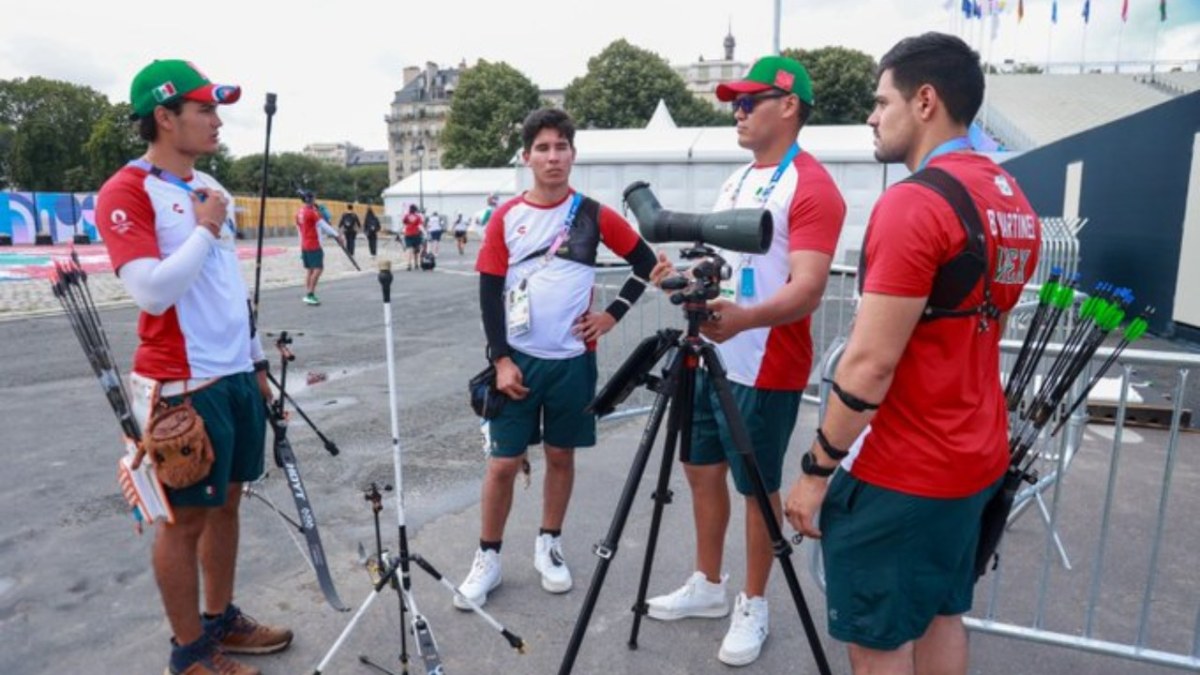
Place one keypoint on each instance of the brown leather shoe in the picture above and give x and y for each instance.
(216, 663)
(241, 634)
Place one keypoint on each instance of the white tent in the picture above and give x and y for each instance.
(686, 167)
(448, 192)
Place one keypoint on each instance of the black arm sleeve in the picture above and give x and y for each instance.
(491, 303)
(642, 259)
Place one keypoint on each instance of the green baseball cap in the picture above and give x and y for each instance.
(770, 72)
(167, 80)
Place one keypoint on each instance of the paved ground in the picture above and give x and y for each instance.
(76, 593)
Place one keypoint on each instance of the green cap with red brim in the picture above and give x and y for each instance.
(770, 72)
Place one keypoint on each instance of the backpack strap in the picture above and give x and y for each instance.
(956, 278)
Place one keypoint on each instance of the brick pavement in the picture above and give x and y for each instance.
(281, 268)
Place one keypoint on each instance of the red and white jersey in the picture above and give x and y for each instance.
(560, 290)
(807, 211)
(206, 333)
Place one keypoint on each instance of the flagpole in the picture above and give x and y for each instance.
(1154, 54)
(1049, 46)
(1120, 34)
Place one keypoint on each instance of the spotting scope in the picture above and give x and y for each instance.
(741, 230)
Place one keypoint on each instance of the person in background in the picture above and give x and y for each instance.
(371, 229)
(460, 233)
(311, 225)
(349, 225)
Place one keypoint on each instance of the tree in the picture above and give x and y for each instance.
(6, 140)
(112, 142)
(53, 121)
(484, 125)
(369, 182)
(623, 85)
(843, 83)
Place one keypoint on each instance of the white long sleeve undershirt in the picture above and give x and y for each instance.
(156, 285)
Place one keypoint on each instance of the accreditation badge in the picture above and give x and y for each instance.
(517, 304)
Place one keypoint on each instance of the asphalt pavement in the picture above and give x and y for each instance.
(77, 594)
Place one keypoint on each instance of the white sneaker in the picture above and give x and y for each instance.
(484, 577)
(698, 597)
(747, 632)
(548, 559)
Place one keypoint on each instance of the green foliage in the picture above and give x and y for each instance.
(623, 85)
(290, 171)
(112, 143)
(53, 121)
(368, 183)
(484, 125)
(7, 135)
(843, 83)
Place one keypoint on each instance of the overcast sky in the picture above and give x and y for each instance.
(336, 65)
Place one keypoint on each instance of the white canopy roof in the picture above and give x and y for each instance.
(456, 182)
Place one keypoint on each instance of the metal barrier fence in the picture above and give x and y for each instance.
(1069, 599)
(830, 324)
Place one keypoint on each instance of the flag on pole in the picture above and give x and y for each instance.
(1125, 10)
(976, 9)
(1020, 10)
(1054, 12)
(1162, 10)
(1087, 10)
(966, 8)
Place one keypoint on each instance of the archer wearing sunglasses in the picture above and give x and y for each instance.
(762, 335)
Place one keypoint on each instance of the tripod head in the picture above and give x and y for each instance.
(281, 343)
(705, 284)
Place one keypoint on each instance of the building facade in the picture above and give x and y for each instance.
(418, 115)
(337, 154)
(703, 76)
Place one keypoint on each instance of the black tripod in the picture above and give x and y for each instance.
(677, 387)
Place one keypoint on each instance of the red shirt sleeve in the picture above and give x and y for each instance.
(909, 236)
(817, 212)
(125, 219)
(616, 232)
(493, 254)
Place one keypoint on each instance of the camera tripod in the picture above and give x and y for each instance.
(676, 388)
(395, 570)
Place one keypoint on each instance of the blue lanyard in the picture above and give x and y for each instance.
(164, 175)
(576, 199)
(952, 145)
(783, 165)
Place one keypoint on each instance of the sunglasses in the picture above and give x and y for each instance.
(747, 104)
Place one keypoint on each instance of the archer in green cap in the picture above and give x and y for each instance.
(761, 329)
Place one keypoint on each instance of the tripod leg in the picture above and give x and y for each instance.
(607, 548)
(379, 585)
(678, 422)
(745, 450)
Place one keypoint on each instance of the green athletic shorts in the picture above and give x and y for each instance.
(559, 390)
(235, 418)
(313, 260)
(770, 417)
(895, 561)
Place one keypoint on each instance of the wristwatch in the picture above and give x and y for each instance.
(810, 467)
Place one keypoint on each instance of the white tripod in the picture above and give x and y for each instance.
(426, 645)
